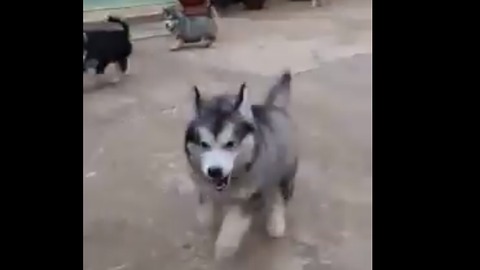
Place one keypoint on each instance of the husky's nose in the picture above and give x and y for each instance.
(215, 172)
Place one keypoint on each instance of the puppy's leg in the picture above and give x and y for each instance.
(121, 69)
(178, 44)
(123, 65)
(90, 73)
(206, 211)
(206, 41)
(100, 68)
(276, 214)
(235, 224)
(100, 71)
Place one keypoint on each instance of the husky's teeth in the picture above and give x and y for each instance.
(223, 183)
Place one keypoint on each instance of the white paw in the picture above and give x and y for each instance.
(205, 216)
(224, 250)
(276, 225)
(234, 226)
(116, 79)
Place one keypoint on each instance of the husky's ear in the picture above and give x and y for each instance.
(242, 104)
(197, 100)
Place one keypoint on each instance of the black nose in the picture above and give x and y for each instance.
(215, 172)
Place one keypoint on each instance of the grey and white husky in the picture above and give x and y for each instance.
(243, 158)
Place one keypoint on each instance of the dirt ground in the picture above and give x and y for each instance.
(138, 201)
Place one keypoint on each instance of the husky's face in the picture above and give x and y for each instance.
(171, 18)
(219, 141)
(170, 25)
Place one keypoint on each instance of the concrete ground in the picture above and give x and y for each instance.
(138, 201)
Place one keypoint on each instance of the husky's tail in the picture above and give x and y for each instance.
(279, 95)
(124, 25)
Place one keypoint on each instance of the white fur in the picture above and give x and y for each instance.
(234, 227)
(226, 135)
(246, 150)
(206, 214)
(276, 218)
(217, 156)
(206, 135)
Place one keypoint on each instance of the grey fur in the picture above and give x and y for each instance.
(265, 160)
(190, 29)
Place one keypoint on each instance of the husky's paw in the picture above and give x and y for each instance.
(205, 216)
(234, 226)
(206, 42)
(276, 224)
(224, 250)
(177, 45)
(116, 79)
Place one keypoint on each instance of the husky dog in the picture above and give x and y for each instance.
(242, 157)
(200, 27)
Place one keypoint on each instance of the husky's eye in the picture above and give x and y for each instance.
(204, 145)
(229, 145)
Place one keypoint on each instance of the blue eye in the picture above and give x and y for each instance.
(229, 145)
(204, 145)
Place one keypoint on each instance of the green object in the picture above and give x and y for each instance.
(108, 4)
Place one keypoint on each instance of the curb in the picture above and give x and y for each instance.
(131, 15)
(134, 17)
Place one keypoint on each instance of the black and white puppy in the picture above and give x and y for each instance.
(106, 43)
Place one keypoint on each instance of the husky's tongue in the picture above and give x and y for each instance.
(222, 183)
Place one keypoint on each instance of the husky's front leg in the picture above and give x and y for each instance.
(235, 224)
(276, 215)
(206, 211)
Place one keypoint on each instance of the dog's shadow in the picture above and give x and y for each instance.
(93, 83)
(192, 46)
(95, 87)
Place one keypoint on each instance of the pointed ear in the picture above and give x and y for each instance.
(242, 104)
(197, 100)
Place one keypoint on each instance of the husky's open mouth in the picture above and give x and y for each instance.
(222, 183)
